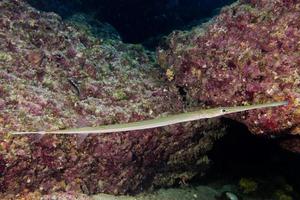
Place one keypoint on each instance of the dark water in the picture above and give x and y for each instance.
(138, 21)
(241, 154)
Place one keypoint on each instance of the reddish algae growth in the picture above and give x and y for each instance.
(54, 75)
(249, 53)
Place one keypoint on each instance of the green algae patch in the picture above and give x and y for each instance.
(281, 195)
(5, 57)
(120, 95)
(247, 185)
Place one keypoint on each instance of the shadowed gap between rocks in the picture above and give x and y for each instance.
(139, 21)
(239, 154)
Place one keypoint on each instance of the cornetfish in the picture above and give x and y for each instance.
(159, 122)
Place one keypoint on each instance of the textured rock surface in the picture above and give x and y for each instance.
(55, 76)
(53, 196)
(250, 53)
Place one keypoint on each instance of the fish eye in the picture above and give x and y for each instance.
(223, 110)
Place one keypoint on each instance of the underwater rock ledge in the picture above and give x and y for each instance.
(53, 76)
(247, 54)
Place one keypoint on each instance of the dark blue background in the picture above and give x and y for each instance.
(139, 21)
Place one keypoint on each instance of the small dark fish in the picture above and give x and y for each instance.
(75, 85)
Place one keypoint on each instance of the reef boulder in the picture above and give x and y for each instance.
(54, 75)
(247, 54)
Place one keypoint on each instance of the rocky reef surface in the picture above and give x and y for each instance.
(250, 53)
(56, 75)
(246, 189)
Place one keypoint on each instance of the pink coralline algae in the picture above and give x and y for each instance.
(250, 53)
(39, 196)
(54, 75)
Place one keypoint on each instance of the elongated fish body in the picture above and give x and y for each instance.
(159, 122)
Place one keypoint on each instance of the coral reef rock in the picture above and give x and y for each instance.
(53, 76)
(247, 54)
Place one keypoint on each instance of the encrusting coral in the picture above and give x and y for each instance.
(248, 53)
(54, 76)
